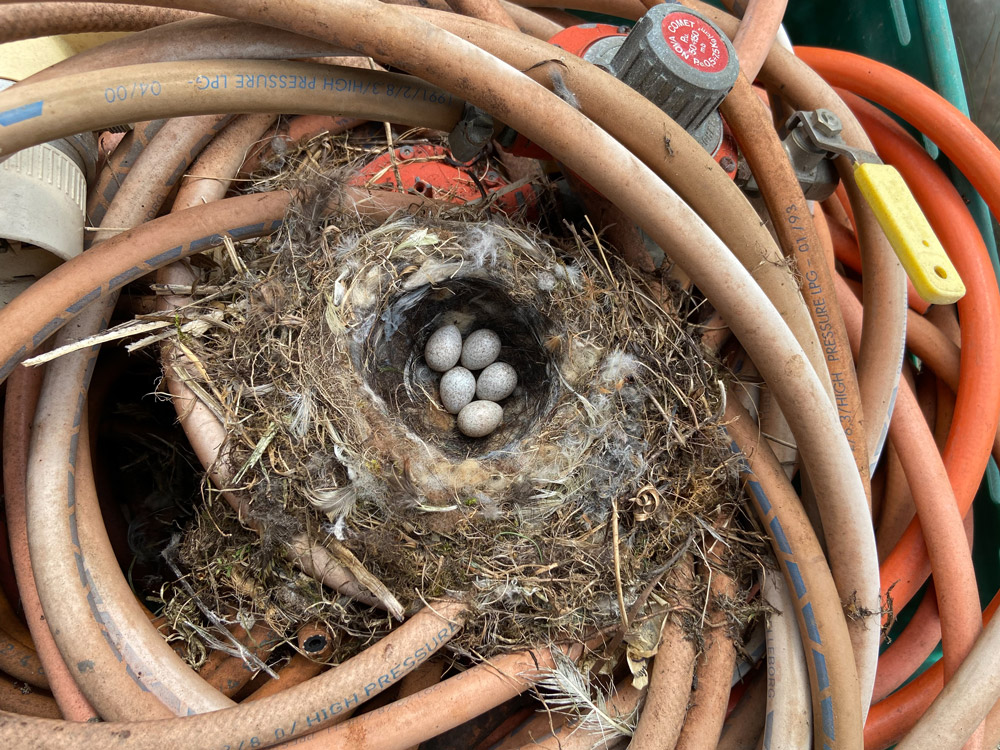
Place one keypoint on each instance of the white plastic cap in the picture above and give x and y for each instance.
(44, 200)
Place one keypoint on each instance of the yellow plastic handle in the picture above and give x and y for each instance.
(917, 247)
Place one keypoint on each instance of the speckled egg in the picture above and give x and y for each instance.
(496, 382)
(443, 348)
(481, 348)
(457, 389)
(480, 418)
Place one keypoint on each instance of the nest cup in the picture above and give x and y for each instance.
(394, 366)
(336, 426)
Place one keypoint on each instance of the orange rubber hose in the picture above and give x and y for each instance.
(954, 133)
(977, 405)
(298, 669)
(947, 546)
(923, 475)
(905, 655)
(229, 674)
(915, 644)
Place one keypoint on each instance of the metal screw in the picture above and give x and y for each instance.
(827, 123)
(727, 163)
(406, 152)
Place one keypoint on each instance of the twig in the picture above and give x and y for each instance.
(618, 563)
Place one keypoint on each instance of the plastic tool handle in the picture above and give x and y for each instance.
(917, 247)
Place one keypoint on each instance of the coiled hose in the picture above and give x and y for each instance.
(726, 253)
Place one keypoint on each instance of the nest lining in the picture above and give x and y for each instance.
(334, 423)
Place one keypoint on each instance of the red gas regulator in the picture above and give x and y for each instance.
(674, 57)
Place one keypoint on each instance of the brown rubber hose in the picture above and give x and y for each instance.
(897, 506)
(618, 8)
(14, 699)
(437, 709)
(670, 680)
(758, 28)
(290, 714)
(18, 655)
(485, 10)
(714, 670)
(29, 20)
(745, 725)
(534, 22)
(80, 101)
(426, 675)
(212, 174)
(558, 17)
(799, 239)
(10, 623)
(21, 662)
(74, 618)
(778, 507)
(186, 40)
(603, 98)
(132, 663)
(116, 169)
(19, 409)
(622, 704)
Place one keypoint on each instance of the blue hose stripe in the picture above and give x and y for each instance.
(822, 675)
(810, 618)
(117, 282)
(779, 536)
(20, 114)
(760, 496)
(826, 706)
(84, 301)
(167, 255)
(819, 666)
(797, 582)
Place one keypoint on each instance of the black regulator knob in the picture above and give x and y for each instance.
(683, 63)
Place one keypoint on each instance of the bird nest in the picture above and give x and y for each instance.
(609, 466)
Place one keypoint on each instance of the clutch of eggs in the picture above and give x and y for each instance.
(459, 386)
